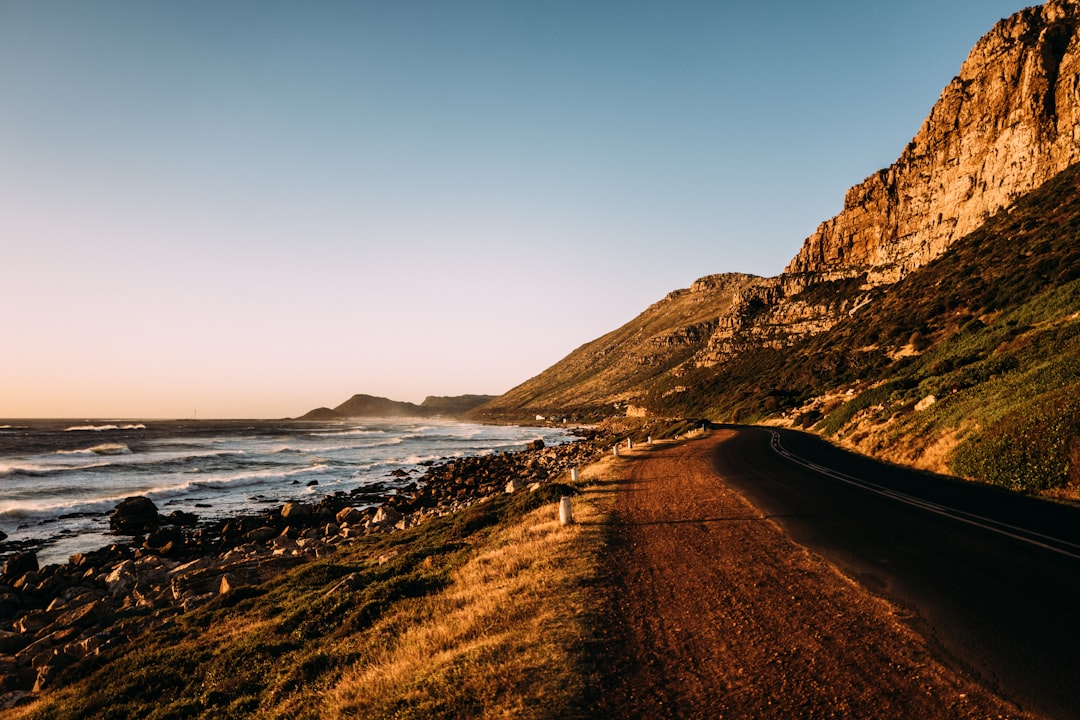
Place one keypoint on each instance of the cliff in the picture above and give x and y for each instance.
(1007, 123)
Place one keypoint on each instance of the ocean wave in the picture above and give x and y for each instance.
(354, 432)
(103, 449)
(102, 428)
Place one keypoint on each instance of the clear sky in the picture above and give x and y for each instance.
(250, 209)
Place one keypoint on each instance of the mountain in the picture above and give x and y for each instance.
(372, 406)
(930, 322)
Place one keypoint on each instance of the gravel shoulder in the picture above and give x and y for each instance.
(714, 612)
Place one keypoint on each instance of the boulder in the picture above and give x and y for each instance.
(261, 534)
(134, 516)
(295, 513)
(386, 515)
(515, 484)
(18, 565)
(183, 519)
(349, 515)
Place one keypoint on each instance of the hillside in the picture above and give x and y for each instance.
(371, 406)
(931, 322)
(614, 370)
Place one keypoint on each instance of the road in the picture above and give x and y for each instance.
(992, 579)
(708, 609)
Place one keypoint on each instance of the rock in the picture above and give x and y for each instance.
(31, 623)
(3, 536)
(349, 515)
(295, 513)
(183, 519)
(228, 582)
(11, 642)
(18, 565)
(121, 579)
(515, 484)
(14, 699)
(537, 444)
(386, 515)
(925, 403)
(261, 534)
(134, 516)
(88, 615)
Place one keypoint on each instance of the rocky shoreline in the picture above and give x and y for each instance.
(56, 616)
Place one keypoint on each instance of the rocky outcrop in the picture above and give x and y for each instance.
(1006, 124)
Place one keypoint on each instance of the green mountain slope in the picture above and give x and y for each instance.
(970, 364)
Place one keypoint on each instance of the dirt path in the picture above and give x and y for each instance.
(721, 616)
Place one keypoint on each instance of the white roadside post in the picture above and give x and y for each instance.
(566, 515)
(615, 450)
(629, 443)
(573, 475)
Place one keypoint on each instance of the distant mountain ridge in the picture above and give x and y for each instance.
(946, 277)
(372, 406)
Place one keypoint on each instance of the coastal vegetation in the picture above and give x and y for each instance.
(968, 365)
(483, 613)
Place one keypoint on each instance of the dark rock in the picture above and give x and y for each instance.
(158, 539)
(535, 445)
(19, 564)
(350, 515)
(261, 534)
(135, 515)
(295, 513)
(183, 519)
(386, 515)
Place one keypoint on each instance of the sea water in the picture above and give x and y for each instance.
(60, 480)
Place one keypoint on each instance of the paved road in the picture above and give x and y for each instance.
(990, 577)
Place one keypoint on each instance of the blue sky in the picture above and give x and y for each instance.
(248, 209)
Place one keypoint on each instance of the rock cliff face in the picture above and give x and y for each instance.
(1007, 123)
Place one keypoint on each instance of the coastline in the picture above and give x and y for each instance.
(53, 618)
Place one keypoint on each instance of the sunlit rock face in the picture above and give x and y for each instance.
(1006, 124)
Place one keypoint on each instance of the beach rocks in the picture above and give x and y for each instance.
(134, 516)
(295, 513)
(18, 565)
(386, 515)
(55, 616)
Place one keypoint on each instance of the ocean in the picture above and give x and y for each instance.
(60, 480)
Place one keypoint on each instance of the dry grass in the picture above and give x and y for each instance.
(502, 640)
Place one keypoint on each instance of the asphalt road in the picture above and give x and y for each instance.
(990, 577)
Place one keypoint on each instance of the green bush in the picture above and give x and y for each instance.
(1028, 450)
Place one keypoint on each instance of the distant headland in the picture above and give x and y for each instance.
(372, 406)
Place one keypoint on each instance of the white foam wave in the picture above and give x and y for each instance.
(103, 449)
(101, 428)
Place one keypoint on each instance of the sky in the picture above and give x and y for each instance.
(251, 209)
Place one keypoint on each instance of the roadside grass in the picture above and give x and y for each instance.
(487, 613)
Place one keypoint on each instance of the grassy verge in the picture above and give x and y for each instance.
(488, 613)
